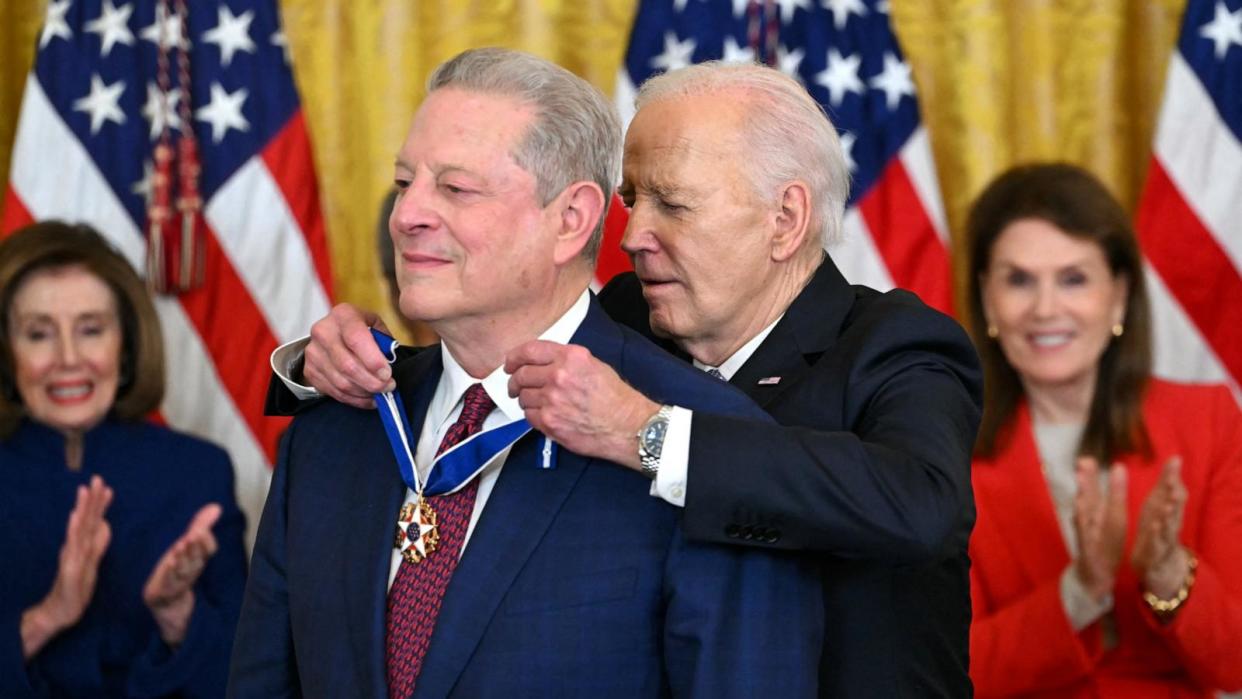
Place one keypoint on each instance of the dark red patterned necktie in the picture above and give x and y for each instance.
(414, 600)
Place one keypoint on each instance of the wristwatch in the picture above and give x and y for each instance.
(651, 440)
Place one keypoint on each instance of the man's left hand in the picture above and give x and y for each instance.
(578, 401)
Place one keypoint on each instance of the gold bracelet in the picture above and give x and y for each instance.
(1166, 607)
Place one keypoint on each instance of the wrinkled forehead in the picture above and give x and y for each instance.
(676, 135)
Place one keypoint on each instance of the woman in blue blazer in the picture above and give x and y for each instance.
(121, 540)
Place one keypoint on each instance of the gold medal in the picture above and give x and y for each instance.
(417, 532)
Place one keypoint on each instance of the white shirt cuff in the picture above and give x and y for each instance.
(284, 359)
(670, 482)
(1080, 607)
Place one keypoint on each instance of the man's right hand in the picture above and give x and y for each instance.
(342, 359)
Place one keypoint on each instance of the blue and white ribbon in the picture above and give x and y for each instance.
(454, 468)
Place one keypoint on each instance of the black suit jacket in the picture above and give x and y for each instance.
(878, 399)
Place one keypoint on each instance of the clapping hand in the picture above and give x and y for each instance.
(87, 536)
(169, 591)
(1158, 557)
(1100, 525)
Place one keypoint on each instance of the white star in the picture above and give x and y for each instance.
(789, 61)
(894, 80)
(679, 6)
(418, 541)
(740, 7)
(847, 149)
(841, 76)
(788, 7)
(161, 109)
(737, 54)
(231, 33)
(882, 7)
(841, 10)
(1224, 29)
(112, 26)
(54, 24)
(165, 31)
(676, 53)
(143, 186)
(282, 42)
(102, 103)
(224, 112)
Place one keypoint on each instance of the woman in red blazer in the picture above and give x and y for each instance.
(1107, 552)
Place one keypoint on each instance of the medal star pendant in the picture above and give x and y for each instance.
(417, 532)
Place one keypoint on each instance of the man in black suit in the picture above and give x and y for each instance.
(736, 182)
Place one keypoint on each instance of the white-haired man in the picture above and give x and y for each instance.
(516, 569)
(735, 182)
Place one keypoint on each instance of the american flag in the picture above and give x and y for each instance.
(1190, 214)
(91, 114)
(845, 53)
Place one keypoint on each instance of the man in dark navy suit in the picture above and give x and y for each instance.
(541, 571)
(736, 183)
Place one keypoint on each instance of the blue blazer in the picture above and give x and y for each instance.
(575, 582)
(160, 478)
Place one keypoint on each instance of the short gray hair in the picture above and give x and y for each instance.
(576, 134)
(792, 136)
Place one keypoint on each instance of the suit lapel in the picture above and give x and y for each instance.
(518, 513)
(1023, 513)
(809, 329)
(375, 500)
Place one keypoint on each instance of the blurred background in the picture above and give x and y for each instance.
(999, 82)
(933, 97)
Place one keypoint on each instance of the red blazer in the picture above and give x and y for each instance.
(1021, 642)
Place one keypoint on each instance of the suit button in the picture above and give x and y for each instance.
(772, 536)
(731, 531)
(748, 533)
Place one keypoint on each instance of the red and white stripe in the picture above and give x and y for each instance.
(896, 235)
(1189, 228)
(265, 238)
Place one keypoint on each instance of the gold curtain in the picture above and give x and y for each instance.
(1006, 81)
(1000, 82)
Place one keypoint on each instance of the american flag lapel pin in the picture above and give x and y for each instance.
(769, 381)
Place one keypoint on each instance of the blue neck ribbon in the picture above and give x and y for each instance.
(454, 468)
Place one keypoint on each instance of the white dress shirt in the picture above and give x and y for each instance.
(670, 482)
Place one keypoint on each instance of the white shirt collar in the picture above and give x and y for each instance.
(735, 361)
(455, 380)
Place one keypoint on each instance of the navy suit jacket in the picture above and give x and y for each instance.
(575, 581)
(878, 401)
